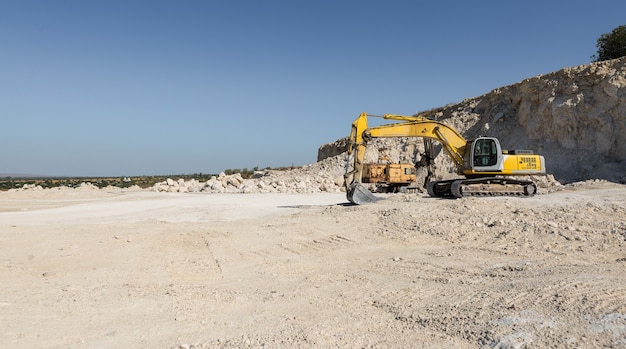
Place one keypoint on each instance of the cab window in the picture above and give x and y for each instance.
(485, 152)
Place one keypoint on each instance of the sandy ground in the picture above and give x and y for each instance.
(137, 269)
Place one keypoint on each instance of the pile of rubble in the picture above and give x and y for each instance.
(323, 176)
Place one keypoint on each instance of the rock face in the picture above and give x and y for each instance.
(332, 149)
(575, 117)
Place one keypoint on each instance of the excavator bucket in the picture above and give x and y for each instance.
(358, 194)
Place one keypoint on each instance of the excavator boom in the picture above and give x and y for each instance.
(452, 141)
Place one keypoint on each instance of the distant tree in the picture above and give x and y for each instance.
(611, 45)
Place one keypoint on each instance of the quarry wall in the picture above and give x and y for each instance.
(574, 117)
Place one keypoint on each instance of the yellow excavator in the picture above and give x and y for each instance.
(487, 168)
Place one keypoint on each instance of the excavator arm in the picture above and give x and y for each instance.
(411, 126)
(452, 141)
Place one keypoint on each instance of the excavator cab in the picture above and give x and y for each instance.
(485, 155)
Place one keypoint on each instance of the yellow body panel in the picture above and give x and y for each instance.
(373, 173)
(513, 165)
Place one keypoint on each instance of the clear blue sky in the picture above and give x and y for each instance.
(124, 88)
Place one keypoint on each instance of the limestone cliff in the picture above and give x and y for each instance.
(575, 117)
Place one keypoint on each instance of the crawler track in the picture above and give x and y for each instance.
(490, 186)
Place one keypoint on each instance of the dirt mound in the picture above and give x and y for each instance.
(575, 117)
